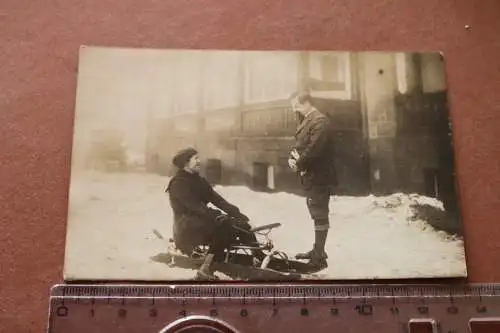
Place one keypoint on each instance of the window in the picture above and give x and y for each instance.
(185, 124)
(270, 75)
(222, 79)
(186, 81)
(327, 68)
(219, 120)
(329, 74)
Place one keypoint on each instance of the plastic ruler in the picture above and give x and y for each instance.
(288, 308)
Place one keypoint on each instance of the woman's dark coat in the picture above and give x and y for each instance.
(194, 221)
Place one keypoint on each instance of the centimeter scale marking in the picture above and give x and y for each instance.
(276, 308)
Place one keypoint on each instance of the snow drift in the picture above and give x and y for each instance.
(112, 218)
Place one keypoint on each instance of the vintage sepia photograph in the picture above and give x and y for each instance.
(262, 165)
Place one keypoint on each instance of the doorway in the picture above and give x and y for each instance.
(214, 171)
(263, 176)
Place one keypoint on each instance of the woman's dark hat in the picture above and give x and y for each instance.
(183, 156)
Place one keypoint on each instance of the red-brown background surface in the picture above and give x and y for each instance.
(39, 43)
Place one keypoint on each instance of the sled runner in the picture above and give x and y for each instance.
(259, 261)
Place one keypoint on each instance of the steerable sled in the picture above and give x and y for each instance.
(245, 262)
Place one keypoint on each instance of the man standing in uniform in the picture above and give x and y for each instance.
(312, 159)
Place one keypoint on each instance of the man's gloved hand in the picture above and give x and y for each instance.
(237, 214)
(242, 217)
(222, 218)
(213, 214)
(292, 160)
(242, 222)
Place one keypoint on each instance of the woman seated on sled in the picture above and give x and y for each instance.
(197, 224)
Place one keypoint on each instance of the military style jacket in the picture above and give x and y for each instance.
(314, 143)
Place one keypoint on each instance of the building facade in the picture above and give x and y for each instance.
(389, 116)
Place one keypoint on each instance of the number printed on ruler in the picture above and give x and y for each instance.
(274, 308)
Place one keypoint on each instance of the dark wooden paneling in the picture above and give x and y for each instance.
(350, 147)
(269, 121)
(424, 144)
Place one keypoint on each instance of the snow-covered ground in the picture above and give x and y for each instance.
(112, 218)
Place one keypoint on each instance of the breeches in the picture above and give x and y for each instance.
(318, 201)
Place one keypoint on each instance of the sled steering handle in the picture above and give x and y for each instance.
(266, 227)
